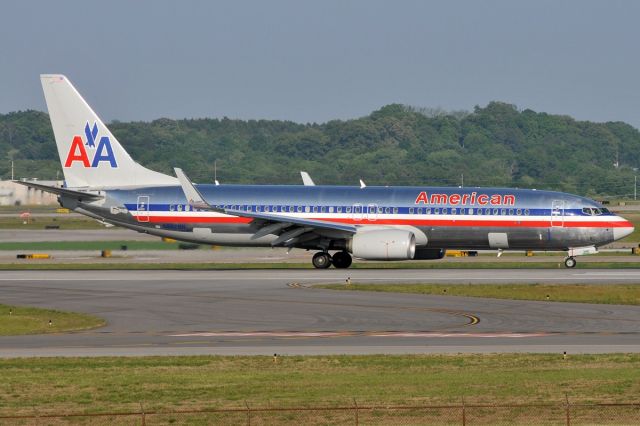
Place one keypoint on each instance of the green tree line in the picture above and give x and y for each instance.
(495, 145)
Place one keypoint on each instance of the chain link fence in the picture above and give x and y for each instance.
(456, 414)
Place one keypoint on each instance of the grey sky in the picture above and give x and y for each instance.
(315, 61)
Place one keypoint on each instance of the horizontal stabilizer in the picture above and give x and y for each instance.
(77, 195)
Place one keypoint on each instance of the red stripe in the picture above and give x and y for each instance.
(414, 222)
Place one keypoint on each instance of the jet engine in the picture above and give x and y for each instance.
(383, 244)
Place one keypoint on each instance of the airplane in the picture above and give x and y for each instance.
(338, 222)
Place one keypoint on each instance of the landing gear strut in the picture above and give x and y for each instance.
(321, 260)
(570, 262)
(341, 260)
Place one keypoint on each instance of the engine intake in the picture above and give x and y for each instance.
(383, 244)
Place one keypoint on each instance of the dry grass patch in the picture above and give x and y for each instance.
(618, 294)
(60, 385)
(17, 320)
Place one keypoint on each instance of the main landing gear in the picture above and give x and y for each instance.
(323, 260)
(570, 262)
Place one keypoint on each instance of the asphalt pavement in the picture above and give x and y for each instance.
(277, 311)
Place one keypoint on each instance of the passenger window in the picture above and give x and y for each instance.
(470, 211)
(339, 209)
(395, 210)
(503, 212)
(348, 209)
(387, 210)
(436, 211)
(330, 209)
(428, 211)
(420, 210)
(510, 212)
(454, 210)
(519, 212)
(307, 209)
(496, 211)
(410, 210)
(172, 207)
(315, 209)
(526, 212)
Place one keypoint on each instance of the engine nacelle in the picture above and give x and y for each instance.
(429, 253)
(383, 244)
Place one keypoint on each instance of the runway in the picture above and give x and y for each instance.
(276, 311)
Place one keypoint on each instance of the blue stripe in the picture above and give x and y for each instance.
(400, 210)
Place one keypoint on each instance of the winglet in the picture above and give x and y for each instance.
(306, 179)
(194, 197)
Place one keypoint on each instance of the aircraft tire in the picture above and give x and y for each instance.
(342, 260)
(321, 260)
(570, 262)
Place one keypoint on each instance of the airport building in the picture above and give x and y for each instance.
(14, 194)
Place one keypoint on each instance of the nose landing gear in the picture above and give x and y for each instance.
(570, 262)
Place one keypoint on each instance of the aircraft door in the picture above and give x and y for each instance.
(557, 213)
(372, 212)
(143, 208)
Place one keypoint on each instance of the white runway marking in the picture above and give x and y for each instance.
(615, 274)
(348, 333)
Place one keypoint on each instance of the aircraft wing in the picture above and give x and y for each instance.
(313, 223)
(283, 225)
(78, 195)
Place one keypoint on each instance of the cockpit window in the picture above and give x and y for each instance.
(593, 211)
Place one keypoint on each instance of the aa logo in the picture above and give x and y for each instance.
(103, 153)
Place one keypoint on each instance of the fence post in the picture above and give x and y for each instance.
(248, 414)
(566, 405)
(142, 416)
(355, 405)
(464, 413)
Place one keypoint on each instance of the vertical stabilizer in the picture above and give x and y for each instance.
(90, 155)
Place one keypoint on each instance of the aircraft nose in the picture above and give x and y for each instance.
(621, 232)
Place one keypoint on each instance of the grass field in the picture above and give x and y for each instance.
(106, 384)
(18, 320)
(41, 222)
(91, 245)
(620, 294)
